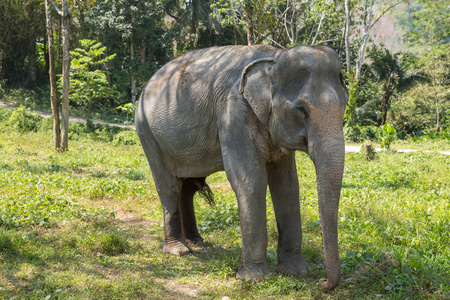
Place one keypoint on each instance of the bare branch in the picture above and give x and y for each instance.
(385, 11)
(319, 27)
(56, 7)
(73, 7)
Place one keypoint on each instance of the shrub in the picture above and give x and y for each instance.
(359, 133)
(24, 120)
(222, 216)
(386, 134)
(126, 137)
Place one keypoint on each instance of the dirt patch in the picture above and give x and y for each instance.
(129, 218)
(182, 289)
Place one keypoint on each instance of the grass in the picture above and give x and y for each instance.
(87, 224)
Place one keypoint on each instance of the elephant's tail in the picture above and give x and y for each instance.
(203, 189)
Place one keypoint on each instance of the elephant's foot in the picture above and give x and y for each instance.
(197, 240)
(326, 284)
(253, 272)
(176, 248)
(299, 267)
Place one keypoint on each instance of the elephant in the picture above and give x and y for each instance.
(245, 110)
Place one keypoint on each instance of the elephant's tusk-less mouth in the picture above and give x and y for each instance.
(303, 140)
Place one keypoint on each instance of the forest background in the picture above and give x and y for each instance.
(395, 54)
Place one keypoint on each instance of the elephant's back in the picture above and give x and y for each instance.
(182, 101)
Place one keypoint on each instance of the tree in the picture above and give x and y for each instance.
(436, 66)
(64, 12)
(52, 77)
(427, 22)
(385, 67)
(258, 16)
(87, 77)
(367, 25)
(21, 22)
(135, 30)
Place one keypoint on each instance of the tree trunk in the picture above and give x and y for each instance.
(249, 16)
(142, 54)
(320, 25)
(133, 78)
(386, 98)
(46, 55)
(436, 102)
(347, 35)
(52, 76)
(193, 43)
(365, 37)
(66, 76)
(368, 150)
(32, 70)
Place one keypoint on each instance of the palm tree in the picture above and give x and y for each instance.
(385, 67)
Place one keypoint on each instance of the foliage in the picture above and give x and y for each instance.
(24, 120)
(349, 116)
(126, 137)
(426, 22)
(221, 216)
(20, 25)
(88, 82)
(416, 111)
(137, 32)
(129, 109)
(2, 88)
(426, 104)
(358, 133)
(385, 135)
(259, 16)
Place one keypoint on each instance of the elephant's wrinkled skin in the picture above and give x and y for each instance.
(245, 110)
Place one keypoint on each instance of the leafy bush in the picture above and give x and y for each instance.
(416, 111)
(97, 132)
(359, 133)
(386, 134)
(40, 210)
(126, 137)
(46, 125)
(4, 114)
(129, 109)
(24, 120)
(222, 216)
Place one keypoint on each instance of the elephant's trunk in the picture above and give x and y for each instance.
(328, 155)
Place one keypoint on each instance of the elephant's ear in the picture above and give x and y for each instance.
(255, 86)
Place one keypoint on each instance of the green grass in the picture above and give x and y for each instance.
(87, 224)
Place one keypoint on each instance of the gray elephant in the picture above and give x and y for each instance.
(245, 110)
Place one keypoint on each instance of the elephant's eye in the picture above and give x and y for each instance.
(302, 112)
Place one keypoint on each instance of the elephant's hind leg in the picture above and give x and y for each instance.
(190, 187)
(174, 241)
(169, 188)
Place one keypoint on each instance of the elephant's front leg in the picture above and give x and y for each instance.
(250, 189)
(249, 181)
(283, 184)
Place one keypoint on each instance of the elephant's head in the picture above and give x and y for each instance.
(301, 97)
